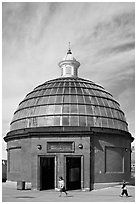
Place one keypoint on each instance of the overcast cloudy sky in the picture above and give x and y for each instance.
(35, 38)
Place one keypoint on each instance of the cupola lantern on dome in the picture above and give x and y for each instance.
(69, 65)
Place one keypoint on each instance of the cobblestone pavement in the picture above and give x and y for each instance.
(110, 194)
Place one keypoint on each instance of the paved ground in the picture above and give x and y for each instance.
(111, 194)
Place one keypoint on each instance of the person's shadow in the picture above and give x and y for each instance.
(69, 196)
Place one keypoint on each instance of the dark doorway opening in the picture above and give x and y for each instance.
(73, 173)
(47, 173)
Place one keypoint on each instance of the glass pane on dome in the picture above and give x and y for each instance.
(53, 91)
(35, 102)
(115, 123)
(66, 108)
(102, 111)
(57, 120)
(97, 93)
(77, 84)
(58, 109)
(60, 90)
(74, 121)
(19, 124)
(86, 85)
(80, 99)
(72, 84)
(66, 98)
(124, 118)
(105, 102)
(79, 91)
(115, 113)
(97, 110)
(81, 85)
(82, 120)
(47, 92)
(61, 84)
(73, 109)
(116, 105)
(81, 109)
(42, 92)
(93, 100)
(107, 95)
(72, 90)
(33, 94)
(100, 102)
(16, 116)
(98, 122)
(85, 91)
(66, 84)
(56, 84)
(66, 90)
(87, 100)
(53, 84)
(104, 122)
(50, 121)
(91, 91)
(90, 121)
(89, 110)
(41, 121)
(95, 120)
(73, 99)
(43, 100)
(25, 112)
(110, 123)
(20, 114)
(65, 120)
(110, 103)
(119, 124)
(34, 111)
(101, 93)
(51, 99)
(50, 109)
(59, 99)
(21, 105)
(109, 114)
(50, 85)
(27, 103)
(42, 110)
(120, 115)
(33, 122)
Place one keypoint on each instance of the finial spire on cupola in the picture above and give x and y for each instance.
(69, 65)
(69, 50)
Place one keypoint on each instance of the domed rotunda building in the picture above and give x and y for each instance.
(69, 127)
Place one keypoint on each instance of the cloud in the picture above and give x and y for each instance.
(116, 49)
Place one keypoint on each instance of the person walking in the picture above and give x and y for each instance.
(62, 186)
(124, 189)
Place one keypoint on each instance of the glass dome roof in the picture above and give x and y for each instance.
(69, 101)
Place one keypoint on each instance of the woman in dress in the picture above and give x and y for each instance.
(62, 186)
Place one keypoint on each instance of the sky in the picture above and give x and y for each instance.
(35, 38)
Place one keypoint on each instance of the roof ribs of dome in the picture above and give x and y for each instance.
(69, 79)
(87, 103)
(69, 115)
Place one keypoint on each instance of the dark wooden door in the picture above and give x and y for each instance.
(73, 173)
(47, 173)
